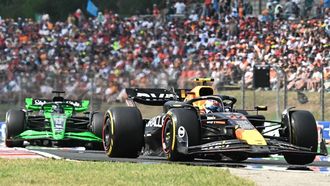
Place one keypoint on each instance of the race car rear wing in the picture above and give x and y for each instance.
(36, 104)
(156, 97)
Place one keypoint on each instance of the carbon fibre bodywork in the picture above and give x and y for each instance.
(218, 135)
(185, 130)
(54, 122)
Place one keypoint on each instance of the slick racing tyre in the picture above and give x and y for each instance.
(123, 132)
(15, 123)
(302, 131)
(97, 124)
(180, 130)
(96, 127)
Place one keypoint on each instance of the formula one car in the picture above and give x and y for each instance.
(54, 123)
(186, 130)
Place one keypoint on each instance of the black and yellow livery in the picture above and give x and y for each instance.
(184, 131)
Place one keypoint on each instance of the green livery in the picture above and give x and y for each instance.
(59, 122)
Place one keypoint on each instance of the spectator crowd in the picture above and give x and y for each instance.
(221, 39)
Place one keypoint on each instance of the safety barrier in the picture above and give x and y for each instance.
(321, 125)
(2, 131)
(325, 126)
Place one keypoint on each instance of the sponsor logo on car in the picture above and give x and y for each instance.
(74, 103)
(155, 122)
(154, 95)
(39, 102)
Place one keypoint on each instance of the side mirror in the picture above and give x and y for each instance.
(261, 108)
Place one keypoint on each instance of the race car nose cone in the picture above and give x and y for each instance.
(252, 137)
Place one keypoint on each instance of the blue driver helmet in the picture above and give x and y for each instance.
(212, 106)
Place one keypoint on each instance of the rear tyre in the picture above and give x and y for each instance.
(97, 124)
(96, 127)
(176, 122)
(123, 132)
(15, 124)
(302, 131)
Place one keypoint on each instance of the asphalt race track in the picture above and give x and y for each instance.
(273, 163)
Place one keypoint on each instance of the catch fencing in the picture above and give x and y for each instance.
(282, 94)
(102, 92)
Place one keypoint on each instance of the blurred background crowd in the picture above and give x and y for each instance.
(168, 47)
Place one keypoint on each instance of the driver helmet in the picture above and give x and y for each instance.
(212, 106)
(58, 109)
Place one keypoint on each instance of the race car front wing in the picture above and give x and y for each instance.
(239, 146)
(33, 135)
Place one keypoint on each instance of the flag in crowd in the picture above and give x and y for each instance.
(92, 8)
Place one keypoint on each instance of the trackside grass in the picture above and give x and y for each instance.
(60, 172)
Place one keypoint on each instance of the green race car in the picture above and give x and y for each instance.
(54, 122)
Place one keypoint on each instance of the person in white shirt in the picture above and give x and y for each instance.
(180, 7)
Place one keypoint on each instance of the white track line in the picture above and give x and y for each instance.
(46, 154)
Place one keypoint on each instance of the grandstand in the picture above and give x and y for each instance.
(104, 54)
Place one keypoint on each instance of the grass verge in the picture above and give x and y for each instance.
(61, 172)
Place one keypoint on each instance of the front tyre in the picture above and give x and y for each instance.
(180, 130)
(15, 124)
(123, 132)
(302, 131)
